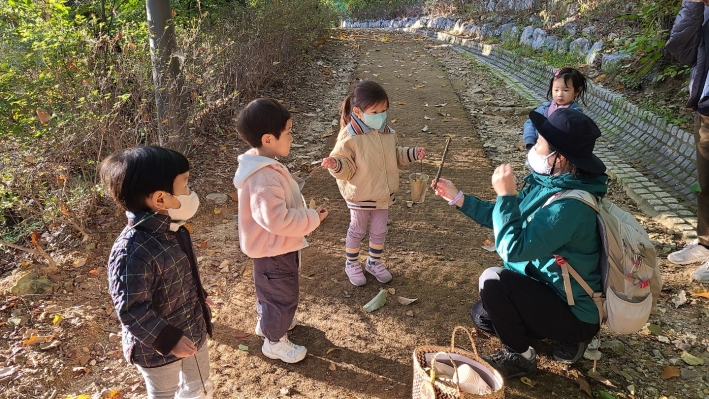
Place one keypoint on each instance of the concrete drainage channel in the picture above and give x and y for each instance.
(630, 135)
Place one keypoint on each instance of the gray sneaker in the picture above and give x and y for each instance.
(378, 270)
(354, 273)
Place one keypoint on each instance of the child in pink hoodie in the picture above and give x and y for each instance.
(273, 222)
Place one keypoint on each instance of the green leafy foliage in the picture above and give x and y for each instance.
(653, 18)
(76, 85)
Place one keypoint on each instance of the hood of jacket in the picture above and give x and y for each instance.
(250, 163)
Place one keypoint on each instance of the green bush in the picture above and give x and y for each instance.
(76, 84)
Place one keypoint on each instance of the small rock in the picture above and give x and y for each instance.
(687, 374)
(614, 346)
(657, 354)
(663, 339)
(92, 362)
(112, 338)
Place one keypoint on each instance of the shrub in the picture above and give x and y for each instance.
(76, 84)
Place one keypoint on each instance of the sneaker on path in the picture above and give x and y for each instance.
(510, 364)
(283, 350)
(692, 253)
(259, 332)
(570, 353)
(702, 273)
(354, 272)
(378, 270)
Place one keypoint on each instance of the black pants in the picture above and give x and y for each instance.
(518, 308)
(276, 281)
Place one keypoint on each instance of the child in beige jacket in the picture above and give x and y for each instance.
(273, 222)
(366, 161)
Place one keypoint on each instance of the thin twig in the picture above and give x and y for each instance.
(37, 252)
(440, 167)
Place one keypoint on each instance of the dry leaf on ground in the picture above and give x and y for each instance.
(583, 385)
(406, 301)
(670, 372)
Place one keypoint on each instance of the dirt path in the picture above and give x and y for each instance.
(433, 251)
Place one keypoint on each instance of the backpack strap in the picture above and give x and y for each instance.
(567, 270)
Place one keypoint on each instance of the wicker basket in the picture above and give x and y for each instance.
(426, 387)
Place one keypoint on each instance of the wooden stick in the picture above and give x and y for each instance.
(440, 167)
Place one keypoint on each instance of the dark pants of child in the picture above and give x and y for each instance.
(518, 308)
(276, 282)
(701, 138)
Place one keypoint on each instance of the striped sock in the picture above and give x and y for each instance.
(352, 254)
(375, 252)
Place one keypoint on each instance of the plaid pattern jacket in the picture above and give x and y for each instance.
(154, 282)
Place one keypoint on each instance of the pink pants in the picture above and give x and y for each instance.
(359, 218)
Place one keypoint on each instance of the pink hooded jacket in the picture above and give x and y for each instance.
(273, 218)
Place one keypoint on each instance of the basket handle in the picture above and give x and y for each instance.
(455, 369)
(472, 342)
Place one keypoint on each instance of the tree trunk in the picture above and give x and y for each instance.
(167, 77)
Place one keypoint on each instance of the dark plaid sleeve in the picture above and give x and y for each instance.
(131, 291)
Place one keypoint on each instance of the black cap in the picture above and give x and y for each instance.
(573, 134)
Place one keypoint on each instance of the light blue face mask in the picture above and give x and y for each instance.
(375, 121)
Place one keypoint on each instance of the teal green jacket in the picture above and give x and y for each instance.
(528, 234)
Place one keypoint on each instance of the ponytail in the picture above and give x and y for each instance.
(345, 111)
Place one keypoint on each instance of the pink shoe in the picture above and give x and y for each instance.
(378, 270)
(354, 272)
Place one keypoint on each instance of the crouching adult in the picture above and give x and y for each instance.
(526, 299)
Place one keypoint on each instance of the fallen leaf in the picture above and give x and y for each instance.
(35, 340)
(406, 301)
(234, 195)
(691, 359)
(410, 313)
(377, 302)
(243, 347)
(275, 63)
(426, 118)
(93, 272)
(332, 367)
(57, 318)
(393, 121)
(670, 372)
(203, 244)
(189, 227)
(35, 239)
(329, 351)
(313, 205)
(583, 385)
(700, 292)
(85, 371)
(527, 381)
(217, 211)
(441, 105)
(605, 395)
(598, 377)
(114, 394)
(44, 116)
(309, 277)
(425, 128)
(242, 334)
(402, 102)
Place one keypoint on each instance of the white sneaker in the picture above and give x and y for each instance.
(259, 333)
(692, 253)
(702, 273)
(283, 350)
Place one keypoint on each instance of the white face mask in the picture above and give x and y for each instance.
(538, 163)
(188, 207)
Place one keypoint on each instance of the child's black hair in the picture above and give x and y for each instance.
(132, 175)
(366, 94)
(573, 76)
(260, 117)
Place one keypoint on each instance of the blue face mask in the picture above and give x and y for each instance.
(375, 121)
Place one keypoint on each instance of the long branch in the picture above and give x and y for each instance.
(37, 252)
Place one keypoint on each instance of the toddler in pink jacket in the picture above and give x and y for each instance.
(273, 223)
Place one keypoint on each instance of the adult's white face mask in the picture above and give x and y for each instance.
(188, 207)
(538, 163)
